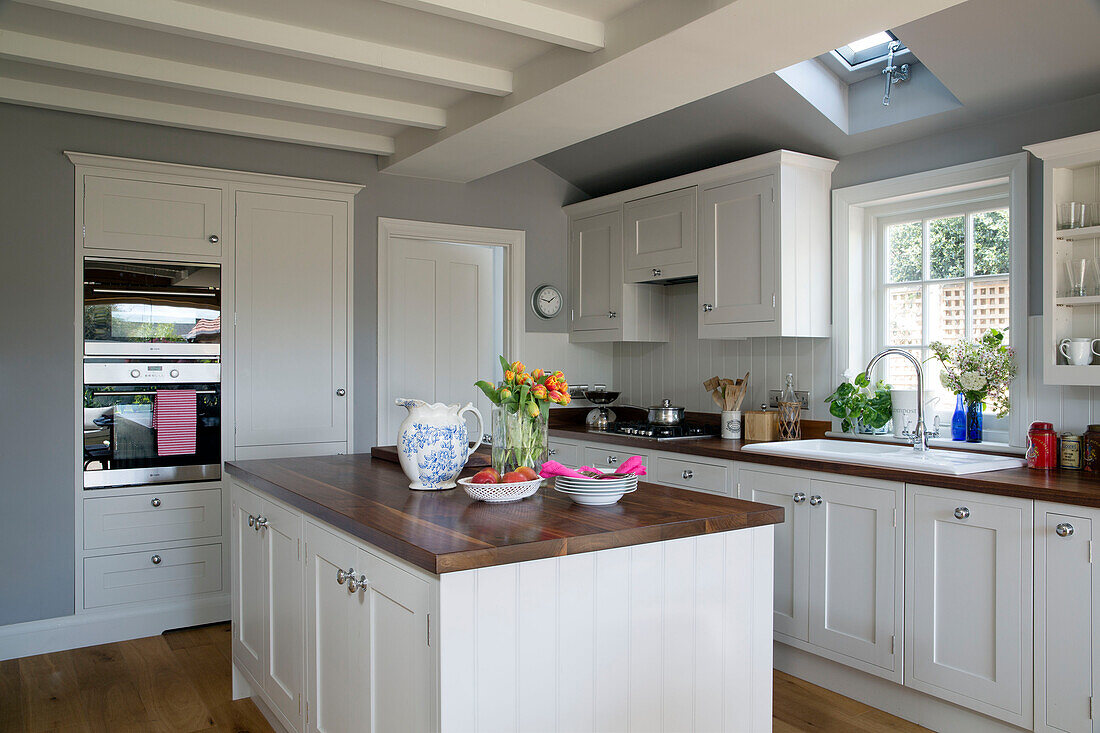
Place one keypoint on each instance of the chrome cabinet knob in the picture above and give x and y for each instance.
(261, 523)
(341, 392)
(251, 520)
(1065, 529)
(155, 502)
(357, 584)
(707, 307)
(342, 575)
(553, 451)
(688, 473)
(612, 460)
(961, 512)
(656, 272)
(815, 500)
(612, 314)
(155, 559)
(798, 498)
(214, 239)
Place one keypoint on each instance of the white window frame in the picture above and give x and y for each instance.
(858, 268)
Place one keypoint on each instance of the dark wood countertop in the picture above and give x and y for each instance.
(445, 531)
(1066, 487)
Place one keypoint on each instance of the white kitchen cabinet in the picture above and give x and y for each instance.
(150, 216)
(565, 452)
(1067, 591)
(607, 456)
(248, 583)
(968, 600)
(603, 307)
(292, 329)
(692, 472)
(659, 237)
(368, 661)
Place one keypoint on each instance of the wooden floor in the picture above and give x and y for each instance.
(180, 682)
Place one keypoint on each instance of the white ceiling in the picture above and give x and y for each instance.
(449, 89)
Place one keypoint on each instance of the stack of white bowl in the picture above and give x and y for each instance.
(596, 491)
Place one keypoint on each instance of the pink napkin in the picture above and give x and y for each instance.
(553, 468)
(630, 465)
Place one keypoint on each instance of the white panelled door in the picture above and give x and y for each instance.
(444, 326)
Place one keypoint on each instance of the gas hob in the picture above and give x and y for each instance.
(684, 431)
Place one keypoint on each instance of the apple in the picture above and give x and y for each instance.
(528, 473)
(513, 477)
(486, 476)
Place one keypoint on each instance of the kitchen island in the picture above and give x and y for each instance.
(361, 605)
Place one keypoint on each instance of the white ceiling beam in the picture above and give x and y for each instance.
(521, 18)
(151, 69)
(102, 104)
(234, 29)
(659, 55)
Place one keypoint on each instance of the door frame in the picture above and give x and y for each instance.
(512, 241)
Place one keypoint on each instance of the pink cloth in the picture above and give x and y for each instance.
(175, 417)
(553, 468)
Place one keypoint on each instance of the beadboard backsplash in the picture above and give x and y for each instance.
(646, 373)
(1069, 408)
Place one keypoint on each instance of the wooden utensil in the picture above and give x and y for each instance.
(713, 385)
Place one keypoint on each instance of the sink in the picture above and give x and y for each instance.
(888, 456)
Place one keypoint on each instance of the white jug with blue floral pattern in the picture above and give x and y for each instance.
(433, 443)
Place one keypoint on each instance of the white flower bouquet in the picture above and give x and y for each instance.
(979, 369)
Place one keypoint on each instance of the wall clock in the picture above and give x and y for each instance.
(546, 301)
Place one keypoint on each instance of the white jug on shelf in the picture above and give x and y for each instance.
(433, 444)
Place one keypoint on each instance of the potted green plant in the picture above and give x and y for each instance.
(859, 407)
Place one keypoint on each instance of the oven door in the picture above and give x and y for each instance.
(141, 308)
(124, 445)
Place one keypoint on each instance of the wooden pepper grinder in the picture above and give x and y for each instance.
(790, 412)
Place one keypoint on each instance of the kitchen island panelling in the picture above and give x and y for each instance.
(429, 611)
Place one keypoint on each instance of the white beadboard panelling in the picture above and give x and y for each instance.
(1070, 408)
(582, 363)
(648, 373)
(665, 636)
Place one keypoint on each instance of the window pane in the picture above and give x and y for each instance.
(947, 311)
(897, 372)
(989, 306)
(991, 242)
(903, 315)
(947, 247)
(905, 258)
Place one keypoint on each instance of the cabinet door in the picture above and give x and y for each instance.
(334, 691)
(1065, 602)
(737, 266)
(567, 454)
(144, 216)
(283, 659)
(392, 661)
(291, 335)
(596, 271)
(659, 240)
(854, 571)
(248, 583)
(969, 600)
(606, 459)
(791, 544)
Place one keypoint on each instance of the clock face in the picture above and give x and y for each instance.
(546, 301)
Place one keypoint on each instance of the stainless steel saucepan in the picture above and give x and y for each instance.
(665, 413)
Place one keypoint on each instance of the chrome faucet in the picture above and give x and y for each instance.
(920, 435)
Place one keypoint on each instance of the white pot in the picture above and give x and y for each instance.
(731, 424)
(433, 443)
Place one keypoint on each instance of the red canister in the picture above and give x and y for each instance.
(1042, 446)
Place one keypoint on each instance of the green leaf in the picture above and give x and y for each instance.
(504, 363)
(861, 380)
(838, 410)
(489, 390)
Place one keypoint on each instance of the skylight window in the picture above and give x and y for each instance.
(867, 50)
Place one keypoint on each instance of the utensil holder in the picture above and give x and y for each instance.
(731, 424)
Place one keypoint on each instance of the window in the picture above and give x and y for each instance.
(944, 275)
(867, 50)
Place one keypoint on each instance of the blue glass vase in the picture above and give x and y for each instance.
(958, 420)
(974, 422)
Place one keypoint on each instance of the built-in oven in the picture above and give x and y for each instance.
(147, 308)
(151, 422)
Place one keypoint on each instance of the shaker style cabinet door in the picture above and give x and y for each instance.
(284, 622)
(1066, 595)
(659, 240)
(596, 272)
(737, 259)
(792, 539)
(968, 600)
(292, 330)
(855, 594)
(248, 583)
(144, 216)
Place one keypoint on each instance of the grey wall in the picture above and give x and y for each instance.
(37, 359)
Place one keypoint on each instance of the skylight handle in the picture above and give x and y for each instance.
(893, 73)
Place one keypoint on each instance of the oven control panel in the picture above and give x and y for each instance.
(151, 372)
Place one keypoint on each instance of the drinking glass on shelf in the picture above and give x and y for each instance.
(1071, 215)
(1075, 276)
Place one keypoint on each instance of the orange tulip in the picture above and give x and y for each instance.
(537, 373)
(518, 366)
(505, 394)
(509, 376)
(539, 391)
(533, 409)
(565, 399)
(555, 396)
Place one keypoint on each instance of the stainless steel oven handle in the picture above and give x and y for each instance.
(150, 391)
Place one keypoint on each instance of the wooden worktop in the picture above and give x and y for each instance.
(1066, 487)
(444, 531)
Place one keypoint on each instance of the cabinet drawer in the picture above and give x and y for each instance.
(141, 518)
(693, 474)
(607, 459)
(147, 216)
(567, 454)
(152, 575)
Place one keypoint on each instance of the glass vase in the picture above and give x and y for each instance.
(974, 422)
(958, 420)
(519, 440)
